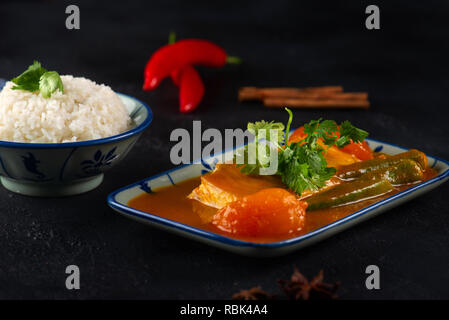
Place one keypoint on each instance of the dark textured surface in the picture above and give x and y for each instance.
(403, 66)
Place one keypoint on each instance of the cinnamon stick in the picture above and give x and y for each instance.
(315, 103)
(254, 93)
(323, 89)
(323, 95)
(311, 97)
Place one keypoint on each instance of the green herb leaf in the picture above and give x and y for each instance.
(263, 139)
(289, 122)
(49, 83)
(302, 165)
(29, 80)
(257, 126)
(348, 133)
(37, 78)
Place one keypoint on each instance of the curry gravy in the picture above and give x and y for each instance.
(172, 203)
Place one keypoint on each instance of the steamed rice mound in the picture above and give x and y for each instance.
(85, 111)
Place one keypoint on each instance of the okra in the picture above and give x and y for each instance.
(358, 169)
(403, 172)
(406, 171)
(348, 193)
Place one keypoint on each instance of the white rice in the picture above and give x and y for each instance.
(85, 111)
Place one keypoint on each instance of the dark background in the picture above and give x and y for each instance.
(403, 67)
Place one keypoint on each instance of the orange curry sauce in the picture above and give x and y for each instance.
(172, 203)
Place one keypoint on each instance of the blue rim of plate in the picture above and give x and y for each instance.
(113, 203)
(95, 142)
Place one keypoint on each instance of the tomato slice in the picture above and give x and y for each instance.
(269, 212)
(359, 149)
(297, 135)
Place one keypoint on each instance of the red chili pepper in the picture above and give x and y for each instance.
(172, 57)
(175, 76)
(191, 88)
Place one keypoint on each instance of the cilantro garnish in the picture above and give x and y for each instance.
(301, 164)
(253, 164)
(49, 82)
(37, 78)
(29, 80)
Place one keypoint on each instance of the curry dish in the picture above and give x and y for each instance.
(244, 205)
(173, 203)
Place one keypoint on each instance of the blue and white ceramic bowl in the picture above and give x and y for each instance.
(62, 169)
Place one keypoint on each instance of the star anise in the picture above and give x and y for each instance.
(300, 288)
(255, 293)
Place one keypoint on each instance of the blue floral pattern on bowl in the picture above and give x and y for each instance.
(30, 162)
(99, 161)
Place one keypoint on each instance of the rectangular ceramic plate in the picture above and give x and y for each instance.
(119, 199)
